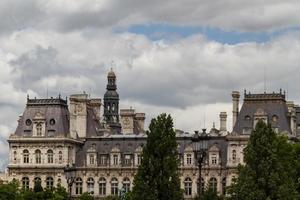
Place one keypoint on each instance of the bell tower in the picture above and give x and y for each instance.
(111, 104)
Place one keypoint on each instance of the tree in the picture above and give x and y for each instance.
(9, 191)
(85, 196)
(269, 171)
(157, 177)
(209, 194)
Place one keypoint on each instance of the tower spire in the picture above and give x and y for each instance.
(111, 103)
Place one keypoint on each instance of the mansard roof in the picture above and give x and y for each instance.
(45, 110)
(269, 105)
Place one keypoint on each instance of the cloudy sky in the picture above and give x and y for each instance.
(183, 57)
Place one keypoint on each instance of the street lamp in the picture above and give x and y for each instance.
(70, 173)
(200, 146)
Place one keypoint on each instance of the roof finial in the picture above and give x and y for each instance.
(214, 125)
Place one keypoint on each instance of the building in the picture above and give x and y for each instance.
(53, 135)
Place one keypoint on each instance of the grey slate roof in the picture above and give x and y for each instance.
(53, 108)
(273, 104)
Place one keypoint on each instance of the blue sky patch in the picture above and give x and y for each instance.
(166, 31)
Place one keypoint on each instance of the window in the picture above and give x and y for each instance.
(188, 159)
(275, 118)
(224, 186)
(102, 186)
(247, 117)
(115, 159)
(139, 159)
(114, 186)
(90, 185)
(37, 181)
(28, 122)
(25, 156)
(60, 157)
(52, 122)
(49, 182)
(234, 155)
(25, 183)
(78, 184)
(50, 156)
(39, 129)
(188, 186)
(38, 156)
(126, 185)
(103, 160)
(213, 184)
(214, 160)
(15, 157)
(127, 160)
(92, 159)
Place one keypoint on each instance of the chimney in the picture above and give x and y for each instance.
(235, 106)
(223, 121)
(96, 105)
(127, 121)
(140, 118)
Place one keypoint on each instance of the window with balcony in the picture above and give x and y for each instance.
(114, 186)
(38, 156)
(50, 156)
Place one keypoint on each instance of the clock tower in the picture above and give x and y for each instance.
(111, 104)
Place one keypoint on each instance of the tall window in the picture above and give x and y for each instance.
(50, 156)
(188, 186)
(126, 184)
(213, 184)
(92, 159)
(114, 186)
(60, 157)
(102, 186)
(25, 182)
(224, 186)
(90, 185)
(49, 182)
(234, 155)
(188, 159)
(78, 184)
(25, 156)
(127, 160)
(15, 157)
(38, 156)
(213, 159)
(37, 180)
(139, 159)
(39, 129)
(103, 160)
(115, 159)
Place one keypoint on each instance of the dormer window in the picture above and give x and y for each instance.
(52, 122)
(28, 122)
(39, 129)
(275, 118)
(247, 118)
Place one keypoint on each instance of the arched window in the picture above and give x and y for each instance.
(126, 185)
(213, 184)
(78, 184)
(37, 181)
(90, 185)
(39, 129)
(49, 182)
(25, 156)
(25, 183)
(15, 157)
(102, 186)
(234, 155)
(60, 157)
(188, 186)
(224, 186)
(50, 156)
(38, 156)
(114, 186)
(202, 185)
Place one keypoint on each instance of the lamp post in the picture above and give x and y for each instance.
(70, 173)
(200, 146)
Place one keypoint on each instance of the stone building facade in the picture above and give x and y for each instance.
(106, 151)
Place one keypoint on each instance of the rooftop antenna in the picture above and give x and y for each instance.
(204, 118)
(265, 84)
(47, 89)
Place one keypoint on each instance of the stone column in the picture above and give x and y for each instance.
(235, 106)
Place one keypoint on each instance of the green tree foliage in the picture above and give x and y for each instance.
(85, 196)
(269, 171)
(10, 191)
(157, 177)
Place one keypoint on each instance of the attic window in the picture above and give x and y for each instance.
(274, 118)
(247, 117)
(52, 122)
(28, 122)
